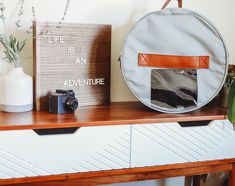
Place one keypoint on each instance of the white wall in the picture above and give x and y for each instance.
(122, 14)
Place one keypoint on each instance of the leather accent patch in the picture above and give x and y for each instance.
(172, 61)
(143, 60)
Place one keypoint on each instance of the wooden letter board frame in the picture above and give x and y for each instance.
(72, 56)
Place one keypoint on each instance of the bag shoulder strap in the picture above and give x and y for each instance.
(180, 3)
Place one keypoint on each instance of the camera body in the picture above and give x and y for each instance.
(63, 101)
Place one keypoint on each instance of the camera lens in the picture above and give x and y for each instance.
(71, 103)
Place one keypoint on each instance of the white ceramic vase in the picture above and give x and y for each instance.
(16, 91)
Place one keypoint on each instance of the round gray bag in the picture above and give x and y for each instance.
(174, 60)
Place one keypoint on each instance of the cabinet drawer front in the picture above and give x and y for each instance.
(25, 153)
(169, 143)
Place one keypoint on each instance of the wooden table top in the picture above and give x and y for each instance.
(119, 113)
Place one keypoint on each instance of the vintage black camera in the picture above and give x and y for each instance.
(63, 101)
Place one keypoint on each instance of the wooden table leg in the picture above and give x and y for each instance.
(232, 177)
(196, 180)
(188, 181)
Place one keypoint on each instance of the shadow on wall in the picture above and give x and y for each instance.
(120, 28)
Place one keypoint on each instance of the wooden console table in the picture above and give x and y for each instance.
(117, 114)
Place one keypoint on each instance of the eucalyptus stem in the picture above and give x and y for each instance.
(20, 13)
(2, 16)
(17, 62)
(64, 15)
(34, 14)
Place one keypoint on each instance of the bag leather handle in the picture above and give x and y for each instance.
(180, 3)
(172, 61)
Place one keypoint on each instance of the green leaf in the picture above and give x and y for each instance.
(12, 48)
(9, 56)
(18, 46)
(11, 44)
(22, 45)
(10, 52)
(231, 104)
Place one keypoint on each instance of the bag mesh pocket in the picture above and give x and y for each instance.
(174, 88)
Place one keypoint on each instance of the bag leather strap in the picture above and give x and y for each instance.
(180, 3)
(172, 61)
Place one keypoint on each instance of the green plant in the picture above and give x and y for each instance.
(12, 46)
(231, 99)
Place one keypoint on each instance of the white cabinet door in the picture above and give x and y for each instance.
(169, 143)
(25, 153)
